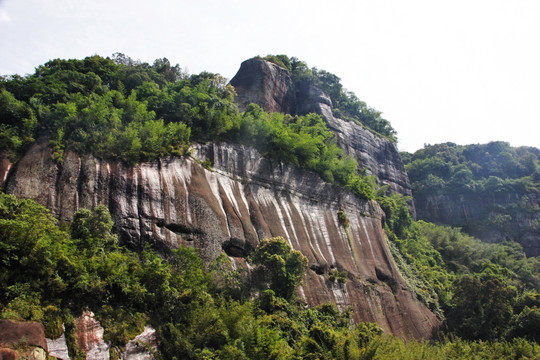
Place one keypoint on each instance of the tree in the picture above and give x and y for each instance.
(280, 268)
(93, 228)
(482, 308)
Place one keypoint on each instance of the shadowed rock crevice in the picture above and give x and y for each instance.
(181, 229)
(236, 247)
(319, 269)
(387, 279)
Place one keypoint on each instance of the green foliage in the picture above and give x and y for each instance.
(345, 104)
(114, 109)
(487, 168)
(474, 286)
(131, 111)
(502, 179)
(339, 276)
(342, 218)
(92, 229)
(481, 308)
(495, 291)
(279, 268)
(280, 60)
(304, 141)
(463, 254)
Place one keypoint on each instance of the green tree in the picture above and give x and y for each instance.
(279, 268)
(92, 229)
(482, 308)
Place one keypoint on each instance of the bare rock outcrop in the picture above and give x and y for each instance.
(89, 334)
(22, 340)
(244, 199)
(58, 347)
(264, 83)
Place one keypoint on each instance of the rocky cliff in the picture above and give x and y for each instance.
(22, 340)
(244, 199)
(271, 87)
(265, 84)
(493, 218)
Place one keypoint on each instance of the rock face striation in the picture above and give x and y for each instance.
(257, 81)
(244, 199)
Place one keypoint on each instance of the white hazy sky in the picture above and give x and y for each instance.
(459, 71)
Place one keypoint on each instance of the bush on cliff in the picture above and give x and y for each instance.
(345, 104)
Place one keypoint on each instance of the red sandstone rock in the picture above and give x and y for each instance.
(90, 337)
(245, 199)
(7, 354)
(266, 84)
(22, 332)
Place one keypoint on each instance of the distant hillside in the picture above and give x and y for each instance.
(490, 190)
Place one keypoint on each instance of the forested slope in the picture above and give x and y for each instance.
(491, 191)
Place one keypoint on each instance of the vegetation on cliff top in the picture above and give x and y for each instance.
(51, 273)
(481, 168)
(345, 104)
(125, 110)
(506, 179)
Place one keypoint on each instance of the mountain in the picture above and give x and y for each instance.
(491, 190)
(244, 197)
(268, 217)
(264, 83)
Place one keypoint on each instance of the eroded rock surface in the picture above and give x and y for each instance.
(245, 199)
(58, 347)
(257, 81)
(89, 334)
(265, 84)
(138, 348)
(22, 340)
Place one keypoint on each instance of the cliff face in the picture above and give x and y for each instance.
(494, 218)
(256, 82)
(245, 199)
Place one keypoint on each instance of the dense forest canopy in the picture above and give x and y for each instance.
(495, 166)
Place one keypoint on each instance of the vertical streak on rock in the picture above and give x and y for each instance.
(179, 201)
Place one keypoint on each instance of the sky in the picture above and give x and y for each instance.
(440, 71)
